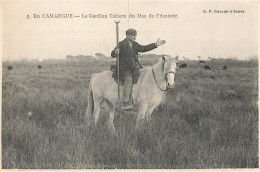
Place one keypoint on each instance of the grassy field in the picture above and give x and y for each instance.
(209, 120)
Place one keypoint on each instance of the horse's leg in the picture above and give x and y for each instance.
(142, 108)
(111, 109)
(150, 111)
(111, 121)
(97, 109)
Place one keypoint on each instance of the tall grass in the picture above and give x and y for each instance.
(209, 120)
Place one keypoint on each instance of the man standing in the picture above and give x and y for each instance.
(128, 57)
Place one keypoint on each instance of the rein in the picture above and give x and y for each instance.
(165, 80)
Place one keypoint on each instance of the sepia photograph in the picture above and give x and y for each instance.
(130, 84)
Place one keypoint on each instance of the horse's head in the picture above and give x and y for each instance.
(169, 70)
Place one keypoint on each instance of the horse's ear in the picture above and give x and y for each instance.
(176, 58)
(163, 58)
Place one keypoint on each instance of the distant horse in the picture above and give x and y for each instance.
(206, 67)
(183, 65)
(147, 94)
(201, 61)
(9, 67)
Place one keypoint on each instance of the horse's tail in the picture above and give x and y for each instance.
(90, 107)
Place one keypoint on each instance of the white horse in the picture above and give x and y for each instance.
(147, 94)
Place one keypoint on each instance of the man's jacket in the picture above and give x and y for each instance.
(128, 54)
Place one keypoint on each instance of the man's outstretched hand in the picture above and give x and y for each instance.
(159, 42)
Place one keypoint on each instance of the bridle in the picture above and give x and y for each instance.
(165, 79)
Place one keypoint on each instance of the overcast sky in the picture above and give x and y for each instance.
(192, 34)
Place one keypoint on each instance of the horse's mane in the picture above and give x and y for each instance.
(157, 67)
(158, 64)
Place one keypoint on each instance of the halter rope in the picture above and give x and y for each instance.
(165, 81)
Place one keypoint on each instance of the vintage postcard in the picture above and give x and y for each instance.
(130, 84)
